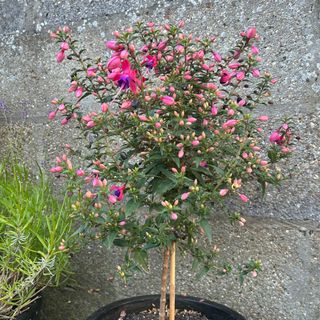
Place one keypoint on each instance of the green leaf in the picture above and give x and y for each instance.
(121, 242)
(141, 258)
(161, 186)
(204, 224)
(131, 206)
(108, 241)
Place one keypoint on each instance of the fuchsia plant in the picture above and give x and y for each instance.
(170, 139)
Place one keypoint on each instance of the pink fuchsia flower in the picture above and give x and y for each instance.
(256, 73)
(217, 56)
(223, 192)
(185, 196)
(117, 192)
(243, 197)
(150, 62)
(173, 216)
(128, 78)
(251, 33)
(60, 56)
(167, 100)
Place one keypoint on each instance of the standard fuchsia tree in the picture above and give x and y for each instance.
(170, 138)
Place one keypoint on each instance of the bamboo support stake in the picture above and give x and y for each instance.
(162, 310)
(172, 309)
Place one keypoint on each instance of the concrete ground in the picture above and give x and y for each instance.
(286, 289)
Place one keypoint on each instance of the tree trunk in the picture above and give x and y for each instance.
(165, 264)
(172, 282)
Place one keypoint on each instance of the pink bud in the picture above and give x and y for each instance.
(157, 125)
(80, 172)
(244, 155)
(240, 75)
(256, 73)
(126, 104)
(64, 121)
(243, 197)
(254, 274)
(214, 110)
(60, 56)
(180, 153)
(112, 198)
(173, 216)
(191, 119)
(167, 100)
(113, 45)
(217, 56)
(64, 46)
(181, 24)
(104, 107)
(174, 170)
(231, 112)
(223, 192)
(195, 143)
(122, 223)
(263, 162)
(263, 118)
(185, 196)
(61, 247)
(91, 124)
(143, 118)
(79, 92)
(251, 33)
(254, 50)
(234, 65)
(52, 115)
(114, 62)
(249, 170)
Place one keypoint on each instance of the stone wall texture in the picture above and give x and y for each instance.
(290, 47)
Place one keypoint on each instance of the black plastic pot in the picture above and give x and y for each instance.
(33, 312)
(212, 310)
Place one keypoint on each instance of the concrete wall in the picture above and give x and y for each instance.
(289, 30)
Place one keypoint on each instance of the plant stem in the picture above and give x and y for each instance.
(172, 281)
(165, 264)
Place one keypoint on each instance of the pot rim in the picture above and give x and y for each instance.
(206, 307)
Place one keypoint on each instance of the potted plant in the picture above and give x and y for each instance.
(35, 232)
(170, 141)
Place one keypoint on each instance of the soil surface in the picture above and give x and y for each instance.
(154, 315)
